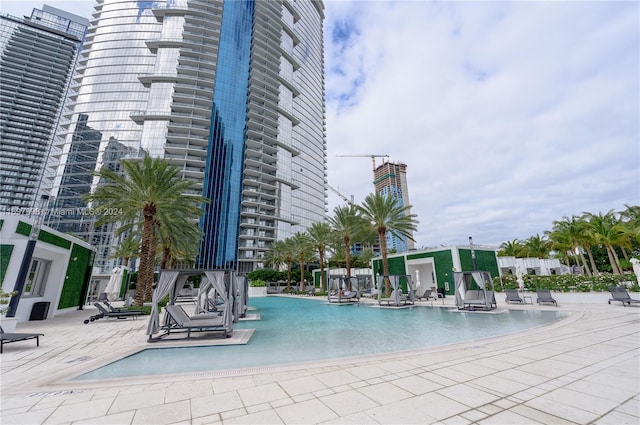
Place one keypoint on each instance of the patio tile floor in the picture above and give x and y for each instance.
(582, 370)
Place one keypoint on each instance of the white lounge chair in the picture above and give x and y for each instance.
(180, 321)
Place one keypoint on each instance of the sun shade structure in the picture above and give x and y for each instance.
(474, 290)
(343, 289)
(403, 290)
(170, 282)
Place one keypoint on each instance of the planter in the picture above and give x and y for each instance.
(257, 291)
(8, 324)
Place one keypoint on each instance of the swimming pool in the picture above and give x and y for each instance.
(297, 330)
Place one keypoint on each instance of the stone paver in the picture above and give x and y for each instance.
(584, 369)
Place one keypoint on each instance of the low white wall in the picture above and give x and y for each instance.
(257, 291)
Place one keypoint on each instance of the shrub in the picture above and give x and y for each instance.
(257, 283)
(566, 282)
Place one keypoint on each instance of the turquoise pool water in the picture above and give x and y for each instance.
(296, 330)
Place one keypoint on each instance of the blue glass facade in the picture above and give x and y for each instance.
(223, 173)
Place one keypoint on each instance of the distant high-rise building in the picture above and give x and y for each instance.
(232, 93)
(390, 178)
(37, 60)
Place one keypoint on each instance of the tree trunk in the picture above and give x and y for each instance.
(612, 260)
(615, 256)
(347, 255)
(166, 257)
(143, 272)
(624, 254)
(594, 269)
(584, 261)
(301, 275)
(148, 293)
(385, 263)
(321, 256)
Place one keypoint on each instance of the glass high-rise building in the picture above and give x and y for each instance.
(231, 92)
(390, 178)
(37, 60)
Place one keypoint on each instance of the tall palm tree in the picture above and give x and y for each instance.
(289, 256)
(321, 237)
(387, 216)
(128, 249)
(512, 248)
(347, 225)
(605, 230)
(572, 229)
(151, 190)
(561, 244)
(303, 249)
(537, 246)
(275, 257)
(177, 234)
(631, 220)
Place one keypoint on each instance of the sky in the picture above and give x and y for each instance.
(508, 115)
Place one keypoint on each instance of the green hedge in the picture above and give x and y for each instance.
(256, 283)
(567, 282)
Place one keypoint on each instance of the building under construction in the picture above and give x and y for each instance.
(390, 178)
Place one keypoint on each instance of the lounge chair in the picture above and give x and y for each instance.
(346, 296)
(513, 296)
(478, 299)
(208, 314)
(396, 298)
(619, 293)
(103, 312)
(544, 296)
(6, 338)
(113, 309)
(180, 321)
(472, 298)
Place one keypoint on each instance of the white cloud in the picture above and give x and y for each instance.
(509, 115)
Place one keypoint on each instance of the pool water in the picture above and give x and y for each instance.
(297, 330)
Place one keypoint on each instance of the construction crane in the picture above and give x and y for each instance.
(372, 156)
(344, 198)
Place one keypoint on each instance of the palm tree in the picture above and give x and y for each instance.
(289, 256)
(512, 248)
(605, 230)
(321, 237)
(177, 234)
(338, 259)
(275, 257)
(387, 215)
(561, 244)
(631, 217)
(148, 191)
(128, 249)
(347, 225)
(537, 246)
(572, 230)
(303, 249)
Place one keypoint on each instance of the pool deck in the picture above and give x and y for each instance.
(582, 370)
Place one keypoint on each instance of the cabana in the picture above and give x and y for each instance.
(343, 289)
(474, 290)
(170, 282)
(403, 290)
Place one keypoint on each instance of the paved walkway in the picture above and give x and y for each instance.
(584, 369)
